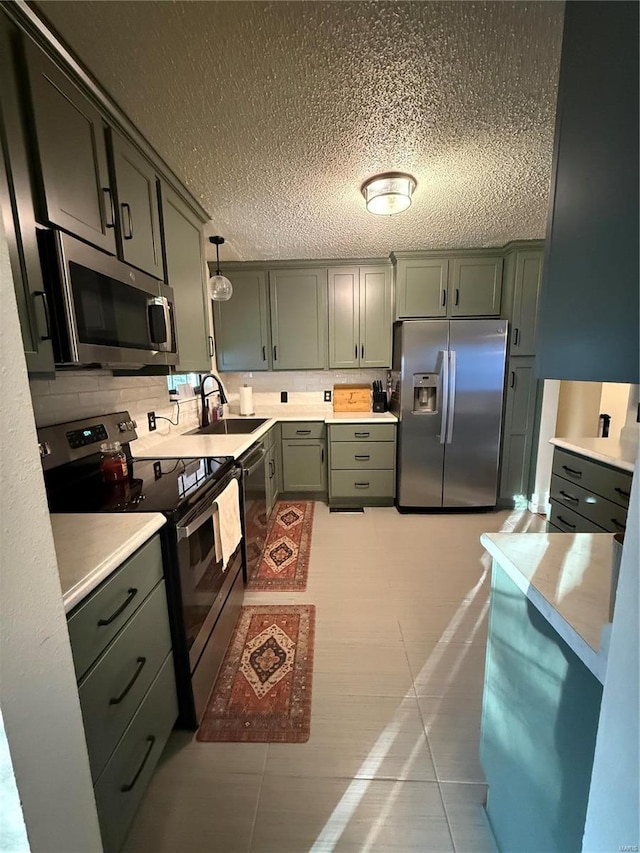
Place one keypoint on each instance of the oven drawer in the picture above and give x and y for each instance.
(611, 483)
(95, 622)
(362, 432)
(124, 779)
(363, 454)
(569, 521)
(606, 514)
(114, 687)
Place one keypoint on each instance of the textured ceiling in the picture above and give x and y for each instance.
(273, 114)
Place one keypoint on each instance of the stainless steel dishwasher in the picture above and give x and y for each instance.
(254, 484)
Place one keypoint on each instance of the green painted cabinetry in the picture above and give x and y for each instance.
(519, 427)
(362, 461)
(475, 287)
(304, 468)
(521, 294)
(298, 310)
(273, 466)
(360, 316)
(186, 274)
(421, 287)
(242, 325)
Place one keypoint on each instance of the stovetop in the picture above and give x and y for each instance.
(154, 485)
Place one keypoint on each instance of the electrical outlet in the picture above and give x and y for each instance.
(284, 396)
(151, 417)
(327, 396)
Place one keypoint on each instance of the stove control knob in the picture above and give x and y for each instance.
(45, 448)
(122, 426)
(131, 424)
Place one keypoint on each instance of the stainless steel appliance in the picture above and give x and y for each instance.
(204, 596)
(103, 311)
(447, 386)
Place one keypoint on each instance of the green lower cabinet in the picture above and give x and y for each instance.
(270, 479)
(304, 465)
(540, 714)
(362, 461)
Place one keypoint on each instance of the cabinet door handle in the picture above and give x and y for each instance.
(512, 381)
(303, 432)
(622, 493)
(107, 192)
(361, 485)
(131, 594)
(362, 434)
(362, 351)
(572, 472)
(264, 353)
(618, 524)
(444, 298)
(118, 699)
(47, 319)
(362, 458)
(356, 352)
(275, 353)
(124, 206)
(570, 498)
(568, 524)
(322, 455)
(457, 302)
(210, 346)
(516, 337)
(126, 788)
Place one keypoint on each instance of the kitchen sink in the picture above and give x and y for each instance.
(230, 427)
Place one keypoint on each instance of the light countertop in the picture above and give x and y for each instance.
(90, 546)
(190, 446)
(611, 451)
(567, 577)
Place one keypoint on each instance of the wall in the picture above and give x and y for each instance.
(39, 698)
(544, 459)
(578, 409)
(613, 401)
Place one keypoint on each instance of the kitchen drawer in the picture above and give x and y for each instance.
(114, 687)
(304, 429)
(124, 779)
(362, 484)
(611, 483)
(606, 514)
(362, 432)
(569, 521)
(96, 621)
(363, 454)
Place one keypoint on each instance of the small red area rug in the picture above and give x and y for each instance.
(284, 565)
(263, 690)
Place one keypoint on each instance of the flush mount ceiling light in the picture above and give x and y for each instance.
(220, 288)
(388, 193)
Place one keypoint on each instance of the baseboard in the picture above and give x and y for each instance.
(539, 504)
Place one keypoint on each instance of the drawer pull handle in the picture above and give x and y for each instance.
(444, 298)
(457, 302)
(362, 458)
(118, 699)
(570, 498)
(618, 524)
(572, 471)
(361, 485)
(568, 524)
(362, 434)
(150, 741)
(125, 207)
(622, 492)
(131, 594)
(264, 353)
(303, 432)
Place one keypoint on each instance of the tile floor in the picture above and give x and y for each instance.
(392, 762)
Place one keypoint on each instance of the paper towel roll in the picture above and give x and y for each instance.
(246, 400)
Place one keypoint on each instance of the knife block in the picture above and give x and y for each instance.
(379, 401)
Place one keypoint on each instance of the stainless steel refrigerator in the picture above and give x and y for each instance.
(447, 385)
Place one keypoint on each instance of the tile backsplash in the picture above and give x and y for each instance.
(298, 380)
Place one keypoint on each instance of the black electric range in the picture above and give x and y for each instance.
(203, 595)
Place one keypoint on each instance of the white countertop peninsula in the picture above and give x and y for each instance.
(610, 451)
(567, 577)
(90, 546)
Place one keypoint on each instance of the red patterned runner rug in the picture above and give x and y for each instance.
(284, 565)
(263, 690)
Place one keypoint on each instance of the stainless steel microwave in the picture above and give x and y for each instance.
(103, 311)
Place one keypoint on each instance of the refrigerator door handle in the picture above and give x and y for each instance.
(444, 394)
(451, 402)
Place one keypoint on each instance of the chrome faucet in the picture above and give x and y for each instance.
(203, 396)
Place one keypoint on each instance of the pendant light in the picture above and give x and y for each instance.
(388, 193)
(220, 288)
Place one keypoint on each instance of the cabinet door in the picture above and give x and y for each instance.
(185, 264)
(475, 288)
(242, 324)
(519, 423)
(270, 479)
(303, 465)
(137, 197)
(421, 288)
(344, 317)
(18, 217)
(375, 317)
(525, 303)
(298, 319)
(72, 155)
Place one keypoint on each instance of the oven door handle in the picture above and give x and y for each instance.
(259, 459)
(184, 531)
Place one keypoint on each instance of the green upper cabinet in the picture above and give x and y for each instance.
(421, 287)
(186, 274)
(137, 204)
(70, 149)
(522, 279)
(242, 324)
(475, 286)
(360, 316)
(298, 302)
